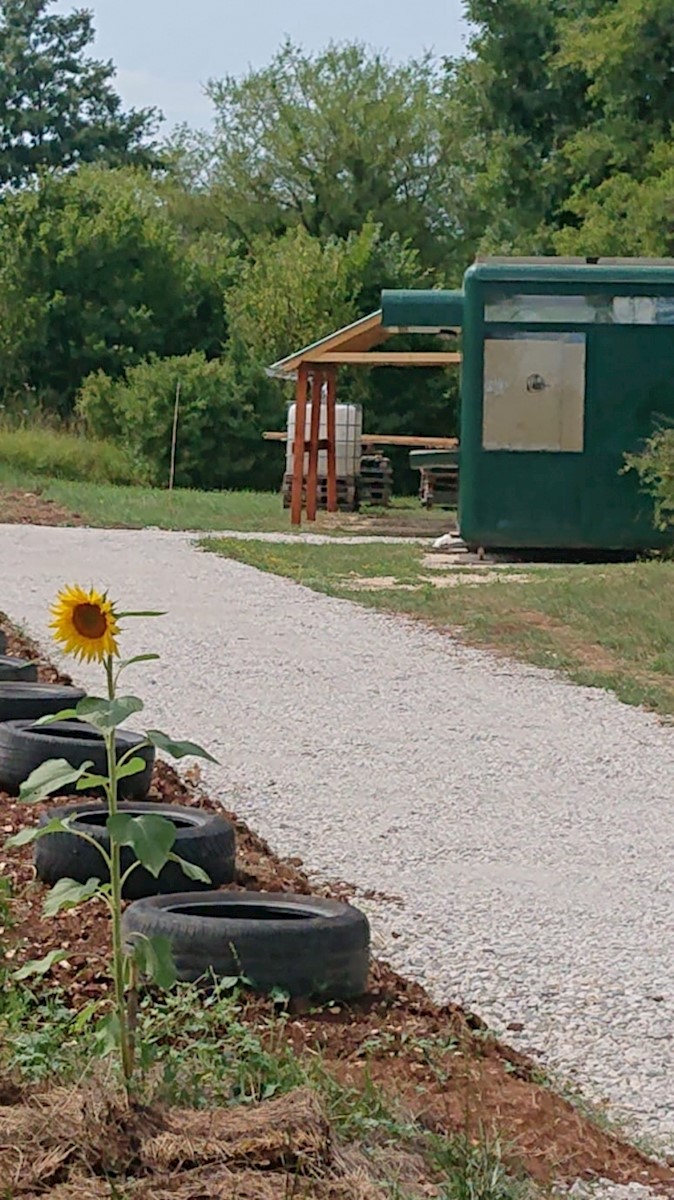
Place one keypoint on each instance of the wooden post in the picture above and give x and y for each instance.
(314, 435)
(298, 447)
(331, 380)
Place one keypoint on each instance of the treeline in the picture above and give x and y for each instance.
(129, 267)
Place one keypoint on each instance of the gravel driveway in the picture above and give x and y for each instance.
(522, 827)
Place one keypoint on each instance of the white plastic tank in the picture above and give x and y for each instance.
(348, 439)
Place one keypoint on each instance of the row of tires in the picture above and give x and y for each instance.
(302, 945)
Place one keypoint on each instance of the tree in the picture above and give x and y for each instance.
(94, 275)
(330, 141)
(296, 289)
(57, 105)
(566, 108)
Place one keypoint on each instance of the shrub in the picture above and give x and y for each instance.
(219, 424)
(655, 468)
(38, 450)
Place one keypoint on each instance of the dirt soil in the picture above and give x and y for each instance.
(30, 508)
(474, 1084)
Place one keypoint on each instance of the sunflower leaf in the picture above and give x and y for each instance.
(176, 749)
(149, 613)
(105, 715)
(190, 869)
(138, 658)
(153, 957)
(40, 966)
(67, 893)
(66, 714)
(33, 833)
(150, 837)
(51, 776)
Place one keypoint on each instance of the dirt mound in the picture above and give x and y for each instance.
(439, 1062)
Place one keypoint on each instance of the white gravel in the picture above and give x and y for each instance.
(526, 825)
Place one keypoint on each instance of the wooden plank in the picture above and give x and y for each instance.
(312, 470)
(387, 358)
(380, 439)
(298, 449)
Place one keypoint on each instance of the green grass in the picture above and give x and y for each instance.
(35, 452)
(107, 506)
(606, 625)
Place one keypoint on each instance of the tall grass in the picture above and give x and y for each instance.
(40, 452)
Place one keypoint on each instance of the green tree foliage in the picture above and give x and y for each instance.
(567, 109)
(330, 141)
(58, 107)
(95, 275)
(221, 417)
(296, 288)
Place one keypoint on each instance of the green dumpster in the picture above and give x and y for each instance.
(567, 365)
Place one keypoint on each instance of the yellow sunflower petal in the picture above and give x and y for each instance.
(84, 622)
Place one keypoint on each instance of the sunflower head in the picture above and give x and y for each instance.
(84, 622)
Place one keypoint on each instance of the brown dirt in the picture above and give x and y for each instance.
(30, 508)
(438, 1062)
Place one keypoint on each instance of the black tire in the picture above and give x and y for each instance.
(17, 669)
(304, 945)
(25, 746)
(203, 838)
(21, 701)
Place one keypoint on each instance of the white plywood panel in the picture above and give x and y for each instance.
(534, 393)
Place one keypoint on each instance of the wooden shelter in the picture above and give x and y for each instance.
(314, 370)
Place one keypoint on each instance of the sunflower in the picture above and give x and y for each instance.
(85, 623)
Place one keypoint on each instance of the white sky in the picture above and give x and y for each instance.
(165, 50)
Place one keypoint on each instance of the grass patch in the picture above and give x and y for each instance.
(202, 1053)
(37, 452)
(607, 625)
(106, 505)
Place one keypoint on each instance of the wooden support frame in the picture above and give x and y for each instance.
(314, 435)
(301, 389)
(315, 370)
(331, 403)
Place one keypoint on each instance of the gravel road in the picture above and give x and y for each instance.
(522, 827)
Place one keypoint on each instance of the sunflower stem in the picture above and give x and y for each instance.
(125, 1036)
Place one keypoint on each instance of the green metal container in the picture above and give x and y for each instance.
(567, 366)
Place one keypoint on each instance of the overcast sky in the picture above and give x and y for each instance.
(165, 50)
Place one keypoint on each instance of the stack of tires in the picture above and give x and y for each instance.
(303, 945)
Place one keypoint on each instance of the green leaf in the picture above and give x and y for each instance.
(176, 749)
(67, 893)
(51, 776)
(149, 613)
(104, 714)
(154, 959)
(40, 966)
(107, 1034)
(33, 834)
(133, 766)
(137, 658)
(150, 837)
(91, 781)
(66, 714)
(191, 870)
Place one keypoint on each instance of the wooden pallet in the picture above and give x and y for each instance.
(347, 497)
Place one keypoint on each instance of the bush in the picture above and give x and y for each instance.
(655, 468)
(38, 450)
(219, 420)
